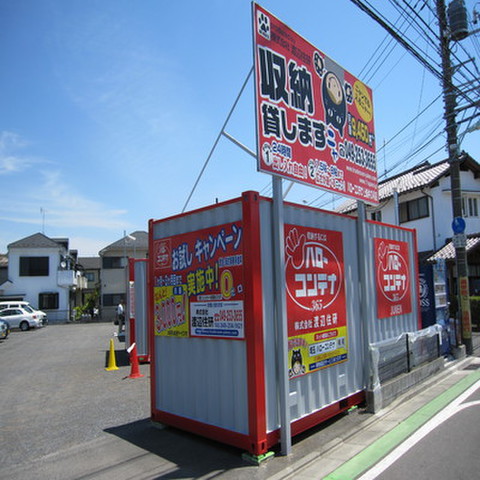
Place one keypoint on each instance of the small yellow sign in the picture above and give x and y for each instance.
(363, 101)
(171, 311)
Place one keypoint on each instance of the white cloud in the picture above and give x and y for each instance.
(63, 206)
(10, 162)
(37, 197)
(89, 247)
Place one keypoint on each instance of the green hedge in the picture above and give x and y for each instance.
(474, 308)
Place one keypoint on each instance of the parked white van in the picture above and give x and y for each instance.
(26, 306)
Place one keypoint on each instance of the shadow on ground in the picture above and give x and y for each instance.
(193, 456)
(122, 358)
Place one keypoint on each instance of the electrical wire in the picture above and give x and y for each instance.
(368, 8)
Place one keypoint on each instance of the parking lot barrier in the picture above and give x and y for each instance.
(135, 370)
(112, 363)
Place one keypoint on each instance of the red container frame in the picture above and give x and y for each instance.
(258, 441)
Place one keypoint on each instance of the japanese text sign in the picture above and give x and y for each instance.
(316, 310)
(393, 278)
(198, 289)
(314, 119)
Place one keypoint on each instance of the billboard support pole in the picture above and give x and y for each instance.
(369, 382)
(281, 317)
(219, 136)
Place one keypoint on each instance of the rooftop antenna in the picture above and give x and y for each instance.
(42, 212)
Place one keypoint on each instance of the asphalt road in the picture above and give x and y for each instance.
(449, 451)
(63, 416)
(56, 393)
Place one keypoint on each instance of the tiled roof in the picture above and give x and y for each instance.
(447, 252)
(89, 263)
(37, 240)
(423, 175)
(140, 242)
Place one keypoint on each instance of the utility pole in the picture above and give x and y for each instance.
(449, 99)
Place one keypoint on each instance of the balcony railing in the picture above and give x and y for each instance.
(66, 278)
(70, 279)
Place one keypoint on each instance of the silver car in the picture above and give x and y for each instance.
(26, 306)
(20, 318)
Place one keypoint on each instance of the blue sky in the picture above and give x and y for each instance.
(108, 109)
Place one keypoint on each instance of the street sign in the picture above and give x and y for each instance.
(459, 240)
(458, 225)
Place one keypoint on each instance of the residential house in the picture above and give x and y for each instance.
(114, 271)
(3, 268)
(90, 267)
(421, 199)
(43, 271)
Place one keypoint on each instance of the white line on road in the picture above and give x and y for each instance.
(456, 406)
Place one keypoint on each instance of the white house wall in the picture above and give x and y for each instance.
(428, 237)
(31, 287)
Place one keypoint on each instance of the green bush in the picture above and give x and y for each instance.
(91, 300)
(474, 308)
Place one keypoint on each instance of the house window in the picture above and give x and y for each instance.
(377, 216)
(414, 209)
(48, 301)
(90, 276)
(470, 206)
(112, 299)
(34, 267)
(112, 262)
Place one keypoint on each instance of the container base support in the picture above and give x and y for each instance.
(257, 459)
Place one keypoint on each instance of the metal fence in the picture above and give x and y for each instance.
(395, 356)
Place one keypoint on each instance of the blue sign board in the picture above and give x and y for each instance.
(458, 225)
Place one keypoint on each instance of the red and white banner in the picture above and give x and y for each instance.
(393, 278)
(316, 309)
(198, 283)
(314, 119)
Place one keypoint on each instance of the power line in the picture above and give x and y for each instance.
(373, 13)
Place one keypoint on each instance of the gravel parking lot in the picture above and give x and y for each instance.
(56, 393)
(63, 416)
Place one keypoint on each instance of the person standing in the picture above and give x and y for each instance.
(121, 316)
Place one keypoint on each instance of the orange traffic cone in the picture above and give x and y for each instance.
(112, 363)
(135, 370)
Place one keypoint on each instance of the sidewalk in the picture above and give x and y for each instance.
(320, 464)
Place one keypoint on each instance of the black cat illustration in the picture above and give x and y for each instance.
(297, 367)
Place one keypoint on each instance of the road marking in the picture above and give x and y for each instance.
(421, 433)
(382, 447)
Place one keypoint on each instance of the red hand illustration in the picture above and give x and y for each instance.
(294, 245)
(382, 255)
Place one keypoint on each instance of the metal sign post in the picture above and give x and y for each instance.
(281, 317)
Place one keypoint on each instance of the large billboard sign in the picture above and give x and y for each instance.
(316, 307)
(393, 278)
(198, 284)
(314, 119)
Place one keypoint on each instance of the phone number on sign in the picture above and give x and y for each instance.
(327, 346)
